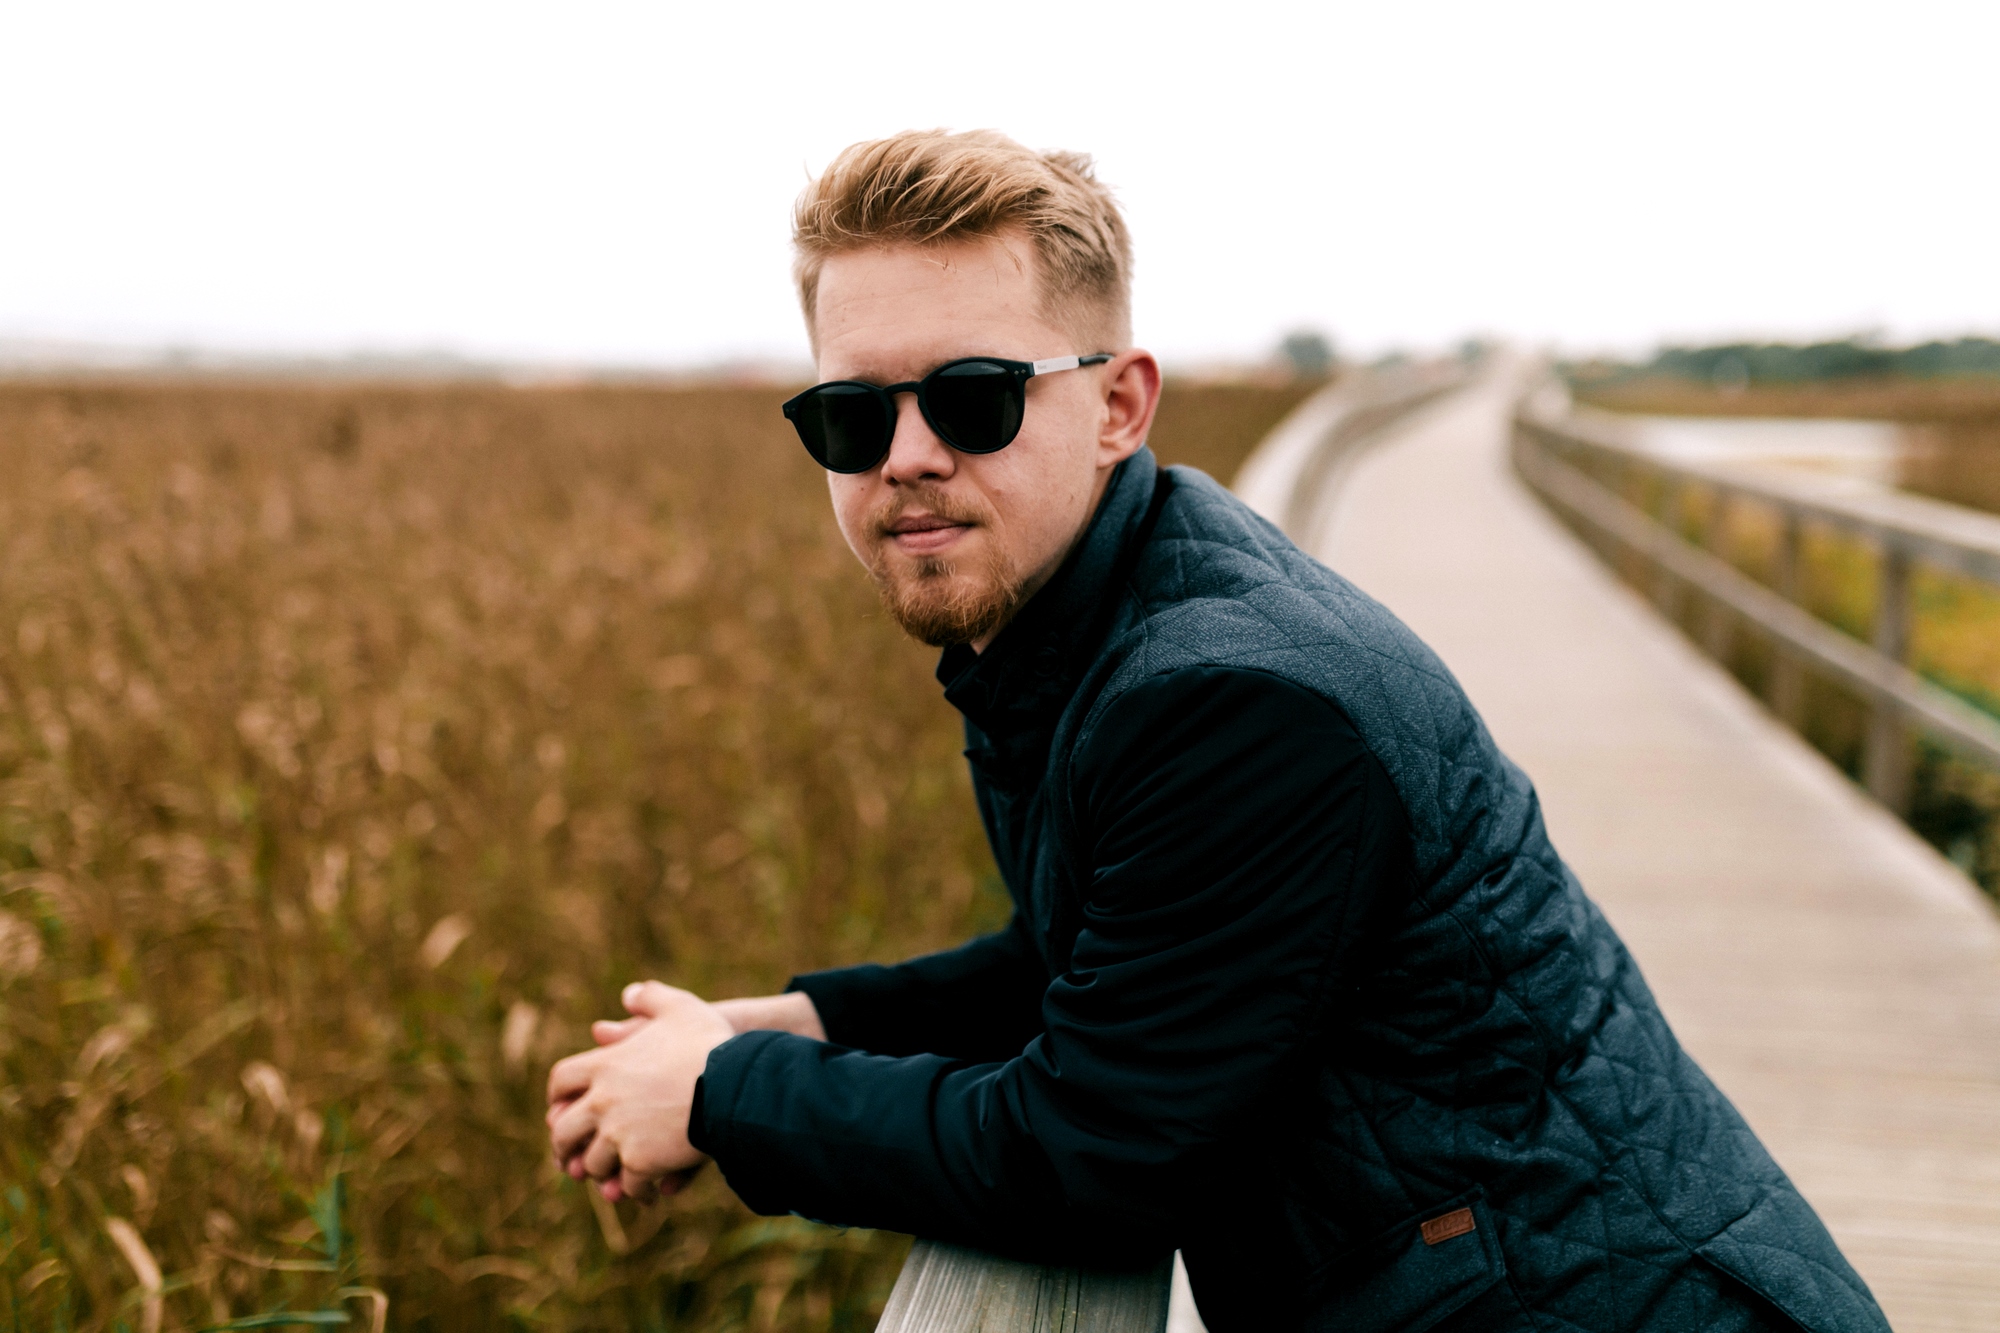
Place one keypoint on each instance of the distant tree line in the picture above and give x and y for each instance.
(1308, 354)
(1784, 363)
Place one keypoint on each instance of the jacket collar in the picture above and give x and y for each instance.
(1015, 690)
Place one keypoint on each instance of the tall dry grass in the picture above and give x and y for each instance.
(356, 746)
(1957, 461)
(1213, 426)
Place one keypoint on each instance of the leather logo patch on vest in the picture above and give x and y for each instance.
(1455, 1223)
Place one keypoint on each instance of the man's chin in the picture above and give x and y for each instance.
(943, 608)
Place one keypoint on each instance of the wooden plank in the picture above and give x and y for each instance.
(946, 1289)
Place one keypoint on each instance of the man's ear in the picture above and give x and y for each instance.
(1131, 396)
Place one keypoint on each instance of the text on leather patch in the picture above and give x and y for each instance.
(1455, 1223)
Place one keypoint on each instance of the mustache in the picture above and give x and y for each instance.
(933, 501)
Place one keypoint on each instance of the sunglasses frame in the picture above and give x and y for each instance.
(885, 394)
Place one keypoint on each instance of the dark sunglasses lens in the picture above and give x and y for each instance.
(974, 405)
(844, 427)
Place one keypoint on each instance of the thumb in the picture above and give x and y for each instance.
(650, 999)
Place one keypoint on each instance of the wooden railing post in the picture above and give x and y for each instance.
(1666, 501)
(1788, 677)
(1719, 625)
(1886, 760)
(945, 1289)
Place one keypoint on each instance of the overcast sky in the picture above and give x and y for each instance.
(602, 182)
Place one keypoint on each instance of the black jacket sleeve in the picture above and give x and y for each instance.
(1240, 838)
(981, 1001)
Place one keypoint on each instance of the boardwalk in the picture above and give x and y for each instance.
(1837, 978)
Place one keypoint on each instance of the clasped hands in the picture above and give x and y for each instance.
(619, 1114)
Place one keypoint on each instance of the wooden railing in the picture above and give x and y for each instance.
(1291, 475)
(944, 1289)
(1563, 459)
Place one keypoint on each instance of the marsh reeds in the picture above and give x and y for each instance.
(356, 745)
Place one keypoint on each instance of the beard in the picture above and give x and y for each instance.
(943, 600)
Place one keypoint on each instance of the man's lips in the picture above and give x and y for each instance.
(921, 534)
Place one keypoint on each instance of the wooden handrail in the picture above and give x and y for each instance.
(1289, 476)
(1948, 536)
(945, 1289)
(1904, 527)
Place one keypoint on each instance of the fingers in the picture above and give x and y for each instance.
(634, 1085)
(651, 999)
(570, 1077)
(647, 1189)
(632, 1186)
(572, 1129)
(607, 1032)
(600, 1158)
(645, 1000)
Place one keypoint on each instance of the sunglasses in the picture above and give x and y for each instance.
(975, 404)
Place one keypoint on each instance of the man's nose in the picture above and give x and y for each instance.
(915, 451)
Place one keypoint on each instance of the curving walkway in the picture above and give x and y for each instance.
(1835, 976)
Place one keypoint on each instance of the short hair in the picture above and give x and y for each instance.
(934, 187)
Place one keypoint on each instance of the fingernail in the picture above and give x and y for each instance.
(631, 993)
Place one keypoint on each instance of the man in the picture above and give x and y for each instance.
(1295, 982)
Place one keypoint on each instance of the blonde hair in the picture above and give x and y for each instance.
(933, 187)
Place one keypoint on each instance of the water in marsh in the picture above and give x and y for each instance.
(1865, 450)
